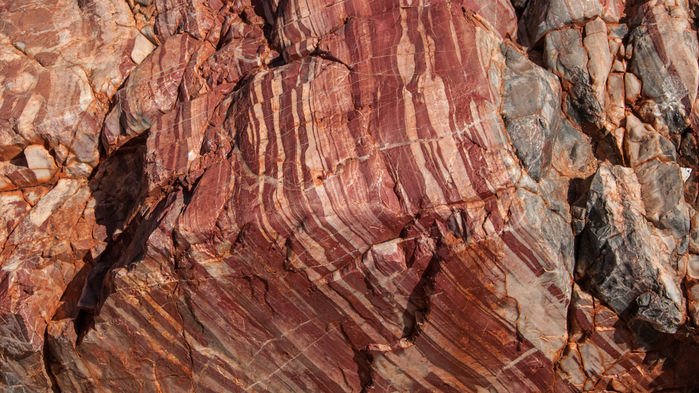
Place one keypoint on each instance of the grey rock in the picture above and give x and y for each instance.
(677, 221)
(689, 148)
(572, 152)
(658, 311)
(620, 257)
(567, 58)
(619, 31)
(643, 143)
(661, 187)
(694, 234)
(531, 110)
(665, 60)
(543, 16)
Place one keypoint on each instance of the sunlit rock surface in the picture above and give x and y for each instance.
(354, 196)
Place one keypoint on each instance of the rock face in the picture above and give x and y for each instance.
(321, 196)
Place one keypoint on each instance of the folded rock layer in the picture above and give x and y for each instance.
(354, 196)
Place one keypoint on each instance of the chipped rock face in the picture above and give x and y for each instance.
(531, 124)
(664, 57)
(321, 196)
(543, 16)
(624, 259)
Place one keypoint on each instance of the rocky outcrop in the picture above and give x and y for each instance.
(626, 260)
(356, 196)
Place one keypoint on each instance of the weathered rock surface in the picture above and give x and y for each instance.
(321, 196)
(623, 258)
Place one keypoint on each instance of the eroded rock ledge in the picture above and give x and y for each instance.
(349, 196)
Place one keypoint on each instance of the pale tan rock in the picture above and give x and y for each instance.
(600, 60)
(40, 162)
(686, 173)
(618, 66)
(33, 194)
(12, 208)
(632, 87)
(642, 143)
(693, 267)
(693, 295)
(615, 89)
(142, 47)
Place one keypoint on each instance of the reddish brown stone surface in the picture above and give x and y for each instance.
(348, 196)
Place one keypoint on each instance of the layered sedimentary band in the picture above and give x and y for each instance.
(355, 196)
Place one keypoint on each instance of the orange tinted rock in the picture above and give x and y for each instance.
(348, 196)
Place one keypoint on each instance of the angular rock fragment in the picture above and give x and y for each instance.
(543, 16)
(532, 112)
(150, 91)
(624, 261)
(601, 352)
(197, 18)
(39, 260)
(617, 95)
(665, 51)
(596, 44)
(632, 87)
(652, 157)
(566, 56)
(104, 57)
(531, 109)
(572, 152)
(142, 47)
(34, 112)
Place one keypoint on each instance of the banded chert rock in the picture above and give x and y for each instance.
(321, 196)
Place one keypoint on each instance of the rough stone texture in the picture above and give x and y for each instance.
(322, 196)
(543, 16)
(664, 58)
(623, 258)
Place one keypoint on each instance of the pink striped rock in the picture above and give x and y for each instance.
(354, 196)
(150, 91)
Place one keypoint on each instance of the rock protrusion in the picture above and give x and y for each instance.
(624, 260)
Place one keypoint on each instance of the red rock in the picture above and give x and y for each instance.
(150, 91)
(352, 196)
(185, 126)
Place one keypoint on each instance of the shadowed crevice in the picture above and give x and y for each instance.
(49, 359)
(118, 186)
(364, 361)
(420, 302)
(129, 247)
